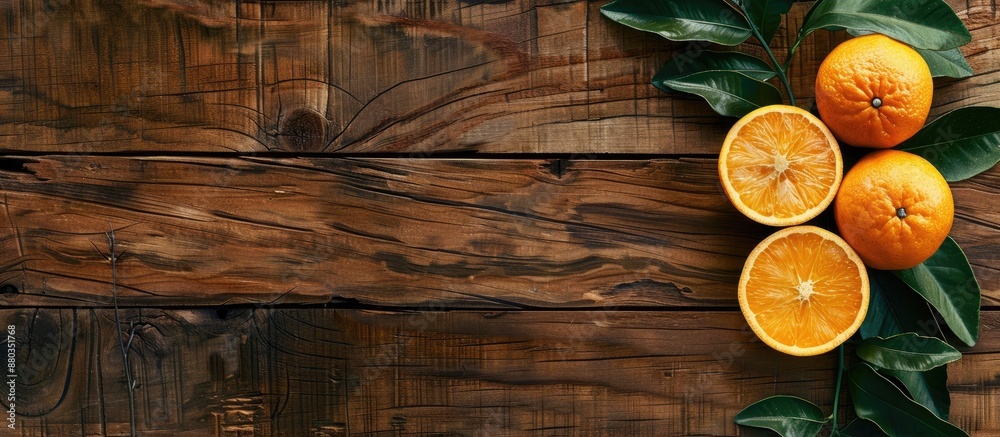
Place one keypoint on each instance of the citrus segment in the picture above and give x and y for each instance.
(804, 291)
(874, 91)
(895, 209)
(780, 165)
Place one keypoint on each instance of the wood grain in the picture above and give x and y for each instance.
(490, 233)
(412, 77)
(298, 256)
(258, 371)
(394, 232)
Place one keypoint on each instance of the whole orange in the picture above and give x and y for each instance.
(894, 208)
(874, 91)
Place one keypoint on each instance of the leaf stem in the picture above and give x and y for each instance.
(791, 52)
(836, 390)
(778, 67)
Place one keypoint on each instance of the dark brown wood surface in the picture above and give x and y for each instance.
(469, 233)
(347, 372)
(388, 217)
(415, 77)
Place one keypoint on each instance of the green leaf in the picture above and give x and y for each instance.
(926, 24)
(950, 62)
(893, 310)
(862, 428)
(961, 143)
(909, 352)
(729, 93)
(879, 313)
(946, 281)
(786, 415)
(878, 400)
(929, 388)
(686, 64)
(766, 15)
(708, 20)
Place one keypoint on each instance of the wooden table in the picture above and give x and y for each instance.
(387, 217)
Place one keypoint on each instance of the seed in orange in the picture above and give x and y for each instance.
(780, 165)
(895, 209)
(804, 291)
(874, 91)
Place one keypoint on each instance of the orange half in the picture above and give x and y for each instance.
(780, 165)
(804, 291)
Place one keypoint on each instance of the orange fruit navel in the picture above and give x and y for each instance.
(874, 91)
(895, 209)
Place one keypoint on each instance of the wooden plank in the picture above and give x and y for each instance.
(488, 233)
(395, 232)
(413, 77)
(271, 372)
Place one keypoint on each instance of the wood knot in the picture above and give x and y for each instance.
(398, 422)
(8, 290)
(558, 167)
(304, 130)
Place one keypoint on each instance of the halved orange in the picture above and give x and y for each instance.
(780, 165)
(804, 291)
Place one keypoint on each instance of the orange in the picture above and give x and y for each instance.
(804, 291)
(874, 91)
(895, 209)
(780, 165)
